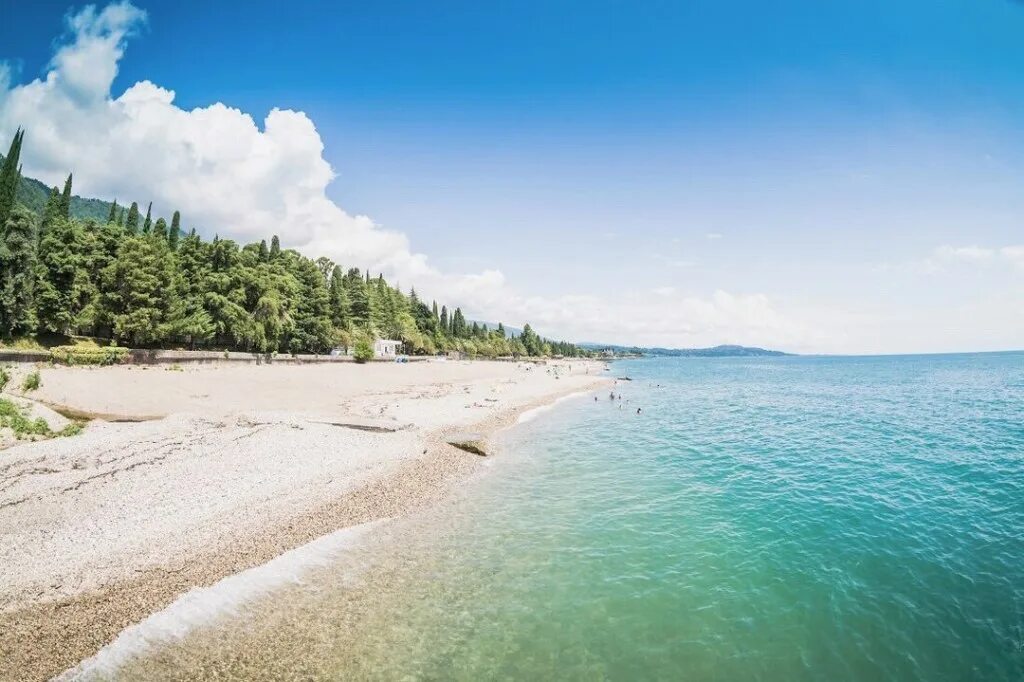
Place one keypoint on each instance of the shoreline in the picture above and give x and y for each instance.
(46, 636)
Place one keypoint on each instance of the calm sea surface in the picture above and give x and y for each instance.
(761, 519)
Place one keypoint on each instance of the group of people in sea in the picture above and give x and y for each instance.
(618, 396)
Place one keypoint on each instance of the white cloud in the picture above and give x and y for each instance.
(945, 256)
(712, 236)
(1014, 255)
(969, 254)
(673, 261)
(230, 175)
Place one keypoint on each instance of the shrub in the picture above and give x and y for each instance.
(32, 381)
(363, 351)
(88, 355)
(12, 417)
(4, 378)
(72, 429)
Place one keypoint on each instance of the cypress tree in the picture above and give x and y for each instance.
(112, 216)
(175, 234)
(338, 299)
(445, 327)
(65, 199)
(160, 228)
(121, 217)
(18, 274)
(10, 177)
(52, 211)
(148, 224)
(264, 252)
(132, 221)
(275, 247)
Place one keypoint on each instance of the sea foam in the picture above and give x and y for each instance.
(531, 414)
(200, 606)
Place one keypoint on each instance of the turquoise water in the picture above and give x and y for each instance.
(761, 519)
(771, 519)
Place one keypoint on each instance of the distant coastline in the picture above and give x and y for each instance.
(721, 351)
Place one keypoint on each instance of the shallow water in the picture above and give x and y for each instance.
(767, 519)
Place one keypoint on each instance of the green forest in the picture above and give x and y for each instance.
(133, 280)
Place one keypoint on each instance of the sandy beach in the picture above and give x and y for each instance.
(196, 473)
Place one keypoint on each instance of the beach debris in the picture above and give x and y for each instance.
(624, 379)
(470, 442)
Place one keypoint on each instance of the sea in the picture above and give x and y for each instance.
(760, 518)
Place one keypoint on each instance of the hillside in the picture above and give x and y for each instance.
(33, 193)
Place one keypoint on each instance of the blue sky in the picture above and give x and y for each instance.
(837, 159)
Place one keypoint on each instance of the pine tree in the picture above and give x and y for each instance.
(148, 224)
(132, 221)
(501, 329)
(65, 199)
(10, 178)
(175, 234)
(112, 216)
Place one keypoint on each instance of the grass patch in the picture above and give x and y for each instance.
(4, 378)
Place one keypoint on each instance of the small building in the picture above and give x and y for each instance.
(386, 348)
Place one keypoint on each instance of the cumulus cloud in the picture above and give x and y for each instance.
(240, 178)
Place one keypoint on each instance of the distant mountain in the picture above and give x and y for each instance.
(34, 193)
(724, 351)
(509, 331)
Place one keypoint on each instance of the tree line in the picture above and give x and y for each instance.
(142, 282)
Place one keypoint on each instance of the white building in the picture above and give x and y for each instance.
(385, 348)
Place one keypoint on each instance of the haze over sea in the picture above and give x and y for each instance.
(818, 518)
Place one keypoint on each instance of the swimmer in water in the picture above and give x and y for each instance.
(638, 410)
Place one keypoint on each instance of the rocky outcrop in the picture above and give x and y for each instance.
(470, 442)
